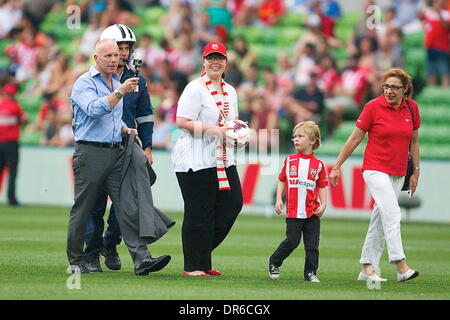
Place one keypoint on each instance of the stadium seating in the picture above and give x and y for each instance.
(267, 43)
(345, 26)
(4, 61)
(291, 19)
(434, 133)
(333, 145)
(156, 31)
(150, 15)
(435, 95)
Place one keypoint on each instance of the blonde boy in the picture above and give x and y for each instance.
(304, 180)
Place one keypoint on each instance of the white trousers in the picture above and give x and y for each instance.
(385, 221)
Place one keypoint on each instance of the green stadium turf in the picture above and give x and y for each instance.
(33, 263)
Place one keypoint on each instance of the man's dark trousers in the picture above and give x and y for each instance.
(94, 238)
(94, 168)
(310, 228)
(9, 156)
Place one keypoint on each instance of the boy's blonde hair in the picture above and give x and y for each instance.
(312, 130)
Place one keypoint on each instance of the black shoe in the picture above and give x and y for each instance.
(94, 265)
(14, 203)
(112, 259)
(151, 265)
(79, 268)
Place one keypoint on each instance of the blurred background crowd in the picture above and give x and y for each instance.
(290, 60)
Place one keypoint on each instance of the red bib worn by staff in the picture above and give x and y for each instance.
(10, 114)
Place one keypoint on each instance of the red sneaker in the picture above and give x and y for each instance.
(214, 272)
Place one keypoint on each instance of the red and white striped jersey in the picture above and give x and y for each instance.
(303, 175)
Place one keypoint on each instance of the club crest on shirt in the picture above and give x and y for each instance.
(293, 171)
(313, 173)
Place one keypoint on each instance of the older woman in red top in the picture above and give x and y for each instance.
(392, 121)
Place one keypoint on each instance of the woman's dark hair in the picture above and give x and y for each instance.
(125, 5)
(245, 50)
(404, 78)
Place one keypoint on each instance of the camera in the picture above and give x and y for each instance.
(137, 63)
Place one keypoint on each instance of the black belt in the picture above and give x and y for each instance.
(102, 144)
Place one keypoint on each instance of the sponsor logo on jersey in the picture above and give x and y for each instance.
(307, 184)
(293, 171)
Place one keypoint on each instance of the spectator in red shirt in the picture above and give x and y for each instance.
(392, 122)
(11, 117)
(328, 75)
(270, 11)
(348, 93)
(326, 22)
(264, 120)
(51, 101)
(244, 12)
(437, 42)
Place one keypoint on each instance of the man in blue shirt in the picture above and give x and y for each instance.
(137, 110)
(97, 161)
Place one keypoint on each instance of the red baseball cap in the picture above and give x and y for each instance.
(214, 47)
(10, 50)
(10, 89)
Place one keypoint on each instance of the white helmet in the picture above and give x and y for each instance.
(119, 33)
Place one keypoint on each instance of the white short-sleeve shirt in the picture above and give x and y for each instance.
(197, 153)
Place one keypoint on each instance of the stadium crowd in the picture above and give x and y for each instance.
(307, 83)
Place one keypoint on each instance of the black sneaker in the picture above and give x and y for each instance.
(14, 203)
(94, 265)
(78, 268)
(274, 272)
(112, 259)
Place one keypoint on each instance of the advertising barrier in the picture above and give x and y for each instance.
(45, 178)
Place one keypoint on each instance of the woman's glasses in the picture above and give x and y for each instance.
(393, 87)
(215, 57)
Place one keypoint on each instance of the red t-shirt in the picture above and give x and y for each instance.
(10, 114)
(436, 34)
(269, 10)
(327, 24)
(328, 79)
(59, 104)
(355, 79)
(389, 131)
(303, 175)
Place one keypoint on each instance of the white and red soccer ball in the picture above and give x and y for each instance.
(239, 134)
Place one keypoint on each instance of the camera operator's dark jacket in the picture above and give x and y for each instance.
(137, 109)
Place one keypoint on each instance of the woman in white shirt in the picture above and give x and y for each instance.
(204, 165)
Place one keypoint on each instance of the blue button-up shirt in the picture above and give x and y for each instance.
(93, 119)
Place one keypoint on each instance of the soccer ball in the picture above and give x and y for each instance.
(239, 134)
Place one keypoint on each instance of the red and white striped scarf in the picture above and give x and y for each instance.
(221, 150)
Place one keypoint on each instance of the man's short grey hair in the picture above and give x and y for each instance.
(101, 43)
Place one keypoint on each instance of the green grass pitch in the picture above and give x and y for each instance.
(33, 263)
